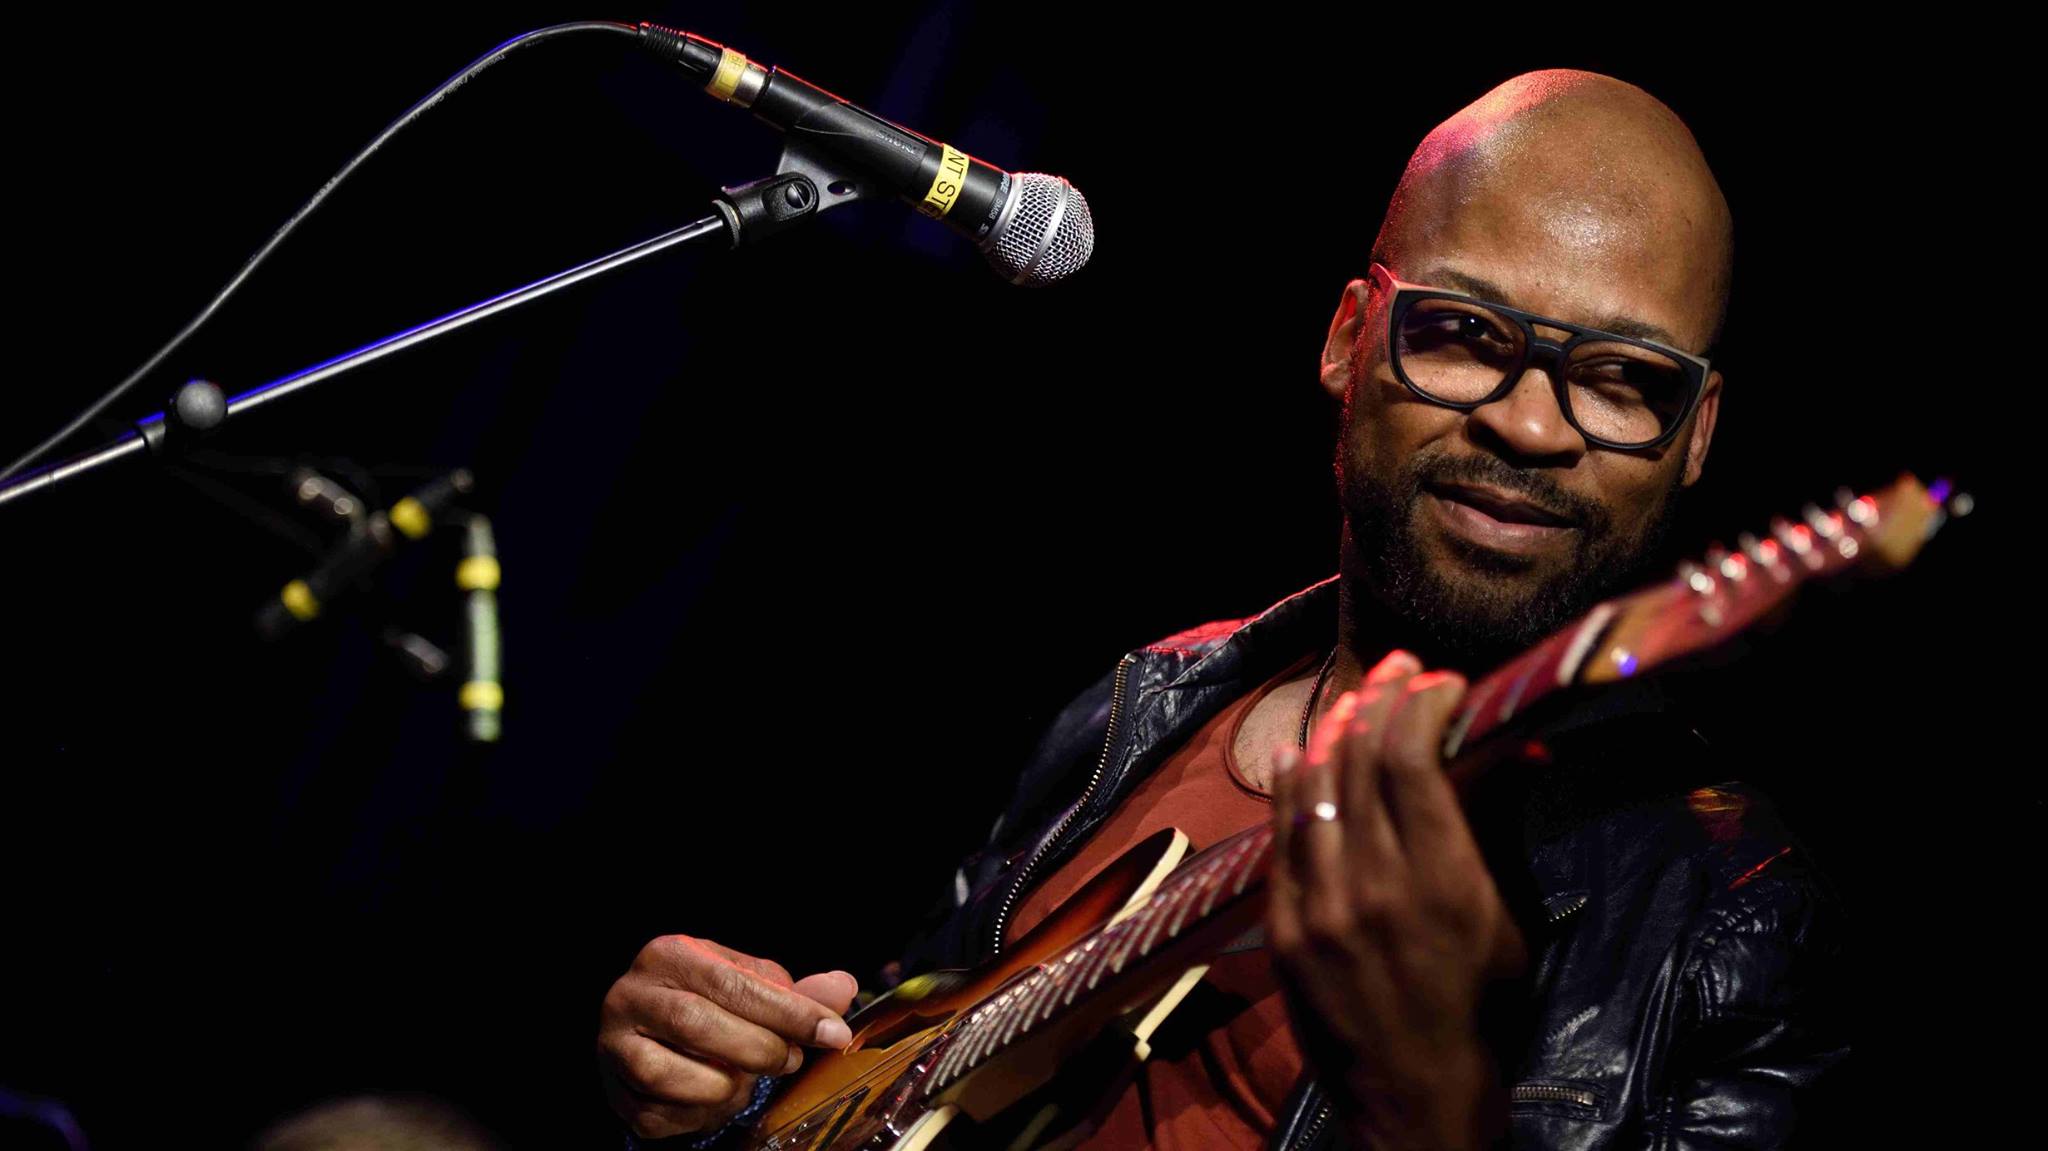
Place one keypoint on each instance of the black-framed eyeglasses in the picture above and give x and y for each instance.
(1457, 350)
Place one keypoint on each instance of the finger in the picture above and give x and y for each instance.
(1425, 809)
(1322, 742)
(665, 1075)
(1396, 664)
(694, 1024)
(1316, 839)
(797, 1018)
(1283, 911)
(834, 989)
(767, 969)
(1372, 849)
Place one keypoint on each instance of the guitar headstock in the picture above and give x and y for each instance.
(1728, 591)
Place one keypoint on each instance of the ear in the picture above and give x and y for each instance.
(1337, 348)
(1702, 429)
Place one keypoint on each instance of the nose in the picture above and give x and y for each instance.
(1527, 424)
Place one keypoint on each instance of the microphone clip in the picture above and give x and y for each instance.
(803, 185)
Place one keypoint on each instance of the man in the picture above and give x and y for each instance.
(1664, 942)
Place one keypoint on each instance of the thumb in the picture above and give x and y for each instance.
(834, 989)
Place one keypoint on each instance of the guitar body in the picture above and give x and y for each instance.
(859, 1097)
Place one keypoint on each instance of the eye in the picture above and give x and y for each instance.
(1472, 329)
(1629, 380)
(1440, 329)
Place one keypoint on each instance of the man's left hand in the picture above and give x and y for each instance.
(1384, 922)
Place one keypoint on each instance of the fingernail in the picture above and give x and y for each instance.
(833, 1033)
(1429, 679)
(1396, 664)
(795, 1060)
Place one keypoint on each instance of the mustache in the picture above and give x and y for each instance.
(1442, 467)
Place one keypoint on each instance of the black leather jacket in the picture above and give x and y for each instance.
(1685, 987)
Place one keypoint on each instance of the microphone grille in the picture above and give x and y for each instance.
(1045, 232)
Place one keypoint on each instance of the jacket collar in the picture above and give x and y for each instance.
(1223, 654)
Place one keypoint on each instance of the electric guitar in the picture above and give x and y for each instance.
(1067, 1011)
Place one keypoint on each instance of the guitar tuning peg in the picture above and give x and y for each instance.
(1734, 567)
(1798, 538)
(1696, 578)
(1765, 553)
(1825, 525)
(1862, 511)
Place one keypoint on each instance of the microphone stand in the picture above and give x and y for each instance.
(747, 213)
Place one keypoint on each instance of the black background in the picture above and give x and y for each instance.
(802, 544)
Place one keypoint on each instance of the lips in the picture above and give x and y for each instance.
(1502, 506)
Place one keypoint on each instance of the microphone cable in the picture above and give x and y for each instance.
(411, 114)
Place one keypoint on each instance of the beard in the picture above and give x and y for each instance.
(1481, 607)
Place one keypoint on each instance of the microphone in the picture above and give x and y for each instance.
(1034, 228)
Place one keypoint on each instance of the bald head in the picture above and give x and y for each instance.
(1583, 171)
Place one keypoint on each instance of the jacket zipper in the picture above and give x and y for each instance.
(1569, 908)
(1522, 1093)
(1314, 1128)
(1116, 706)
(1551, 1093)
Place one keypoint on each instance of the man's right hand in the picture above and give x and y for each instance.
(684, 1034)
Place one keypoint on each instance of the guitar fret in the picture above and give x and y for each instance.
(1063, 976)
(1123, 949)
(1096, 967)
(1113, 957)
(1048, 991)
(1069, 982)
(1206, 882)
(1021, 1010)
(1157, 920)
(1261, 842)
(1100, 946)
(988, 1029)
(1211, 883)
(1235, 879)
(994, 1039)
(964, 1043)
(1174, 908)
(1582, 644)
(1514, 694)
(1473, 709)
(956, 1046)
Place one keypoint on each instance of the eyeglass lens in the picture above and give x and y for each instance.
(1459, 352)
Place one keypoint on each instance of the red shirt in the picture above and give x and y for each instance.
(1227, 1090)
